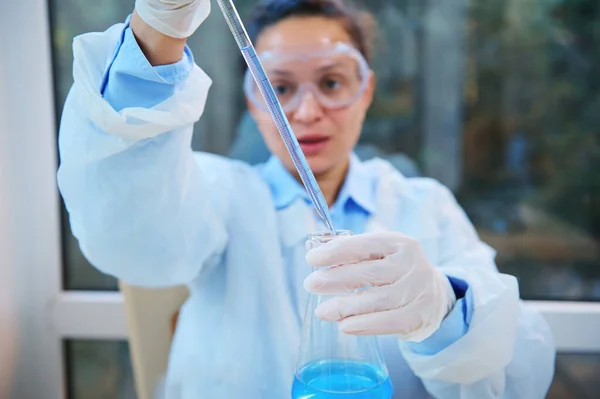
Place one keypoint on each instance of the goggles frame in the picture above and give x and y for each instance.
(338, 48)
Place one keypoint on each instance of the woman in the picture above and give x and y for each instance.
(149, 211)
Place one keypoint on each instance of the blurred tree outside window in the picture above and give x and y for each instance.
(499, 100)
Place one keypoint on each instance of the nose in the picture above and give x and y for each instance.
(309, 110)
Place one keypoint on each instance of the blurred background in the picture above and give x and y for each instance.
(498, 99)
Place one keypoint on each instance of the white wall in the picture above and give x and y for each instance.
(8, 335)
(29, 209)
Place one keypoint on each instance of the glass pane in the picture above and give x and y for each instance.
(529, 140)
(102, 369)
(576, 377)
(497, 100)
(70, 18)
(215, 131)
(99, 370)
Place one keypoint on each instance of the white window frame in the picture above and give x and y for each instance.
(45, 313)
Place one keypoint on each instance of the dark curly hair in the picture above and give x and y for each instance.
(358, 23)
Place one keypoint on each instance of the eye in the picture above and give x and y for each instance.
(331, 83)
(282, 88)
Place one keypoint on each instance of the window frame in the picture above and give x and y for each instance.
(46, 314)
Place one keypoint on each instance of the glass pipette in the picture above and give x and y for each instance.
(266, 89)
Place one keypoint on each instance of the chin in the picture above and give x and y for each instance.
(320, 164)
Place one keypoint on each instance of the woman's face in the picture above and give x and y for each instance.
(327, 135)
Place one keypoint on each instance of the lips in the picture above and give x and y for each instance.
(313, 144)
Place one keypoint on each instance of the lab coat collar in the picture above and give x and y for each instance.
(359, 186)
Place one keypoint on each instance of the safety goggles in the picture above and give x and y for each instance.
(336, 75)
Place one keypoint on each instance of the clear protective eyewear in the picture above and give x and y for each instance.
(336, 75)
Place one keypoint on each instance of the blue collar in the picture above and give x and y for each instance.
(359, 186)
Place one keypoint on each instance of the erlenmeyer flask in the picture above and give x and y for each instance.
(332, 364)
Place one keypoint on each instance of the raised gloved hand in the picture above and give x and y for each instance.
(408, 297)
(174, 18)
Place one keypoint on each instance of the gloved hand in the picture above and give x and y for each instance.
(408, 297)
(175, 18)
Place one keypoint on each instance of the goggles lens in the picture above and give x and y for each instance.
(336, 77)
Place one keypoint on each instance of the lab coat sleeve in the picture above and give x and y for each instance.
(507, 351)
(143, 207)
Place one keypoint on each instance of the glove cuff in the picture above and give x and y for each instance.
(177, 21)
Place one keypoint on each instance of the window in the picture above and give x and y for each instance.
(498, 100)
(69, 19)
(215, 132)
(575, 376)
(99, 369)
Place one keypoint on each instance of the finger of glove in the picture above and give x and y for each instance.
(371, 300)
(349, 277)
(407, 323)
(353, 249)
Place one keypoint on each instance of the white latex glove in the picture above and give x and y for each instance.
(175, 18)
(409, 297)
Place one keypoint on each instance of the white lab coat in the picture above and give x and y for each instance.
(147, 210)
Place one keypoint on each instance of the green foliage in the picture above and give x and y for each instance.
(74, 17)
(534, 72)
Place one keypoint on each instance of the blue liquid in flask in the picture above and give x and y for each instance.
(341, 380)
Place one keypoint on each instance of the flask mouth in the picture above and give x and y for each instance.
(322, 237)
